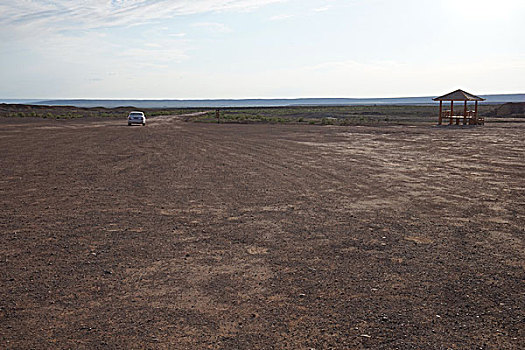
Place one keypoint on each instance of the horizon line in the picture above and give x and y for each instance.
(237, 99)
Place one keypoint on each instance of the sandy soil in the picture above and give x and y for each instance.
(203, 236)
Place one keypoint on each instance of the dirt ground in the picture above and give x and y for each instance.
(203, 236)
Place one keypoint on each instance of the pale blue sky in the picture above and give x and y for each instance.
(260, 48)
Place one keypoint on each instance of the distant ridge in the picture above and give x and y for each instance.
(222, 103)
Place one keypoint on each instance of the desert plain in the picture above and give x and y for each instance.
(188, 235)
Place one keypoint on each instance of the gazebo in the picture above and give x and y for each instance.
(469, 117)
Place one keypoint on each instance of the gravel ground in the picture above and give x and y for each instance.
(203, 236)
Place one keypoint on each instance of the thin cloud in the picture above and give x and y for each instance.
(93, 14)
(218, 27)
(323, 8)
(281, 17)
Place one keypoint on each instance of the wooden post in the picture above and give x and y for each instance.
(465, 114)
(451, 111)
(440, 112)
(218, 116)
(476, 113)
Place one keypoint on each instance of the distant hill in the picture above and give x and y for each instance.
(427, 100)
(511, 110)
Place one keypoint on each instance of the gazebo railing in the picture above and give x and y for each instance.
(446, 114)
(469, 119)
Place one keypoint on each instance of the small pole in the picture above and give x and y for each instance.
(451, 111)
(218, 115)
(465, 114)
(440, 111)
(476, 113)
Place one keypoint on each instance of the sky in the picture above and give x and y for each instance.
(210, 49)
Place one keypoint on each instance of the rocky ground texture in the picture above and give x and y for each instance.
(203, 236)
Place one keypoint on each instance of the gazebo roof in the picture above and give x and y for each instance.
(458, 95)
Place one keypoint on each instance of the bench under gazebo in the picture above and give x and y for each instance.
(469, 117)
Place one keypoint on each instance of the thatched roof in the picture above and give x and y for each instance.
(459, 95)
